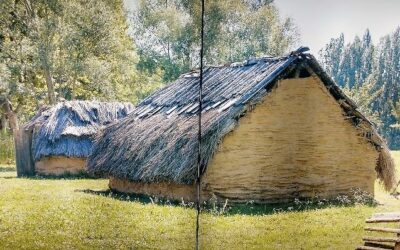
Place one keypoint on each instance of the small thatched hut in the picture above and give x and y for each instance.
(273, 129)
(63, 135)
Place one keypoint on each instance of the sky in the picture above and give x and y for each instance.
(130, 4)
(320, 20)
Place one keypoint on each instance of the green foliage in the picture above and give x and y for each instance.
(52, 50)
(364, 95)
(7, 151)
(370, 75)
(62, 49)
(17, 77)
(167, 33)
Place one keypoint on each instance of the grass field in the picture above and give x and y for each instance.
(81, 214)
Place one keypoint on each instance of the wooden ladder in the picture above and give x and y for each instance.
(381, 243)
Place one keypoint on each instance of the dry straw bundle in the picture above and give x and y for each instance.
(386, 169)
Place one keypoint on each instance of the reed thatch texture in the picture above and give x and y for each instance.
(386, 169)
(68, 128)
(158, 141)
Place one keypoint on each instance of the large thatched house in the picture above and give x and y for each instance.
(63, 135)
(273, 129)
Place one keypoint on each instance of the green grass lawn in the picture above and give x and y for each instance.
(79, 214)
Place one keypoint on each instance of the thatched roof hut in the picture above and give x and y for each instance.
(273, 129)
(63, 134)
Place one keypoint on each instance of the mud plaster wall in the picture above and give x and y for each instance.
(296, 143)
(59, 165)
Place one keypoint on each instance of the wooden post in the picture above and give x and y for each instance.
(23, 152)
(397, 244)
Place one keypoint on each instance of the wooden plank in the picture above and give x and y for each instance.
(381, 239)
(371, 248)
(23, 153)
(384, 217)
(192, 107)
(19, 162)
(385, 214)
(387, 219)
(216, 104)
(385, 230)
(184, 108)
(379, 245)
(169, 111)
(145, 112)
(227, 104)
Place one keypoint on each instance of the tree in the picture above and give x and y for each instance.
(364, 95)
(67, 49)
(168, 33)
(388, 78)
(17, 78)
(331, 58)
(43, 22)
(370, 75)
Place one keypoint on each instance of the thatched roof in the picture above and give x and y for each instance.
(68, 128)
(158, 141)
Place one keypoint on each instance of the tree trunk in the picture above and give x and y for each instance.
(12, 117)
(50, 86)
(6, 106)
(3, 124)
(43, 52)
(73, 84)
(73, 90)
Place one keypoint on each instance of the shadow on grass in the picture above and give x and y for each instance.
(249, 208)
(7, 177)
(144, 199)
(7, 169)
(66, 176)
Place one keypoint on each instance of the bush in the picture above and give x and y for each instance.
(7, 151)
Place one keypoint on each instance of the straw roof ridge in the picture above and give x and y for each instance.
(68, 128)
(157, 142)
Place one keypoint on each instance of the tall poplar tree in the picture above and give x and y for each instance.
(370, 75)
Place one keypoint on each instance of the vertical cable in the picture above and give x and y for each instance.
(199, 162)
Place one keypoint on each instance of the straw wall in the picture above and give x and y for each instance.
(59, 165)
(297, 143)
